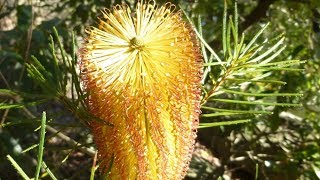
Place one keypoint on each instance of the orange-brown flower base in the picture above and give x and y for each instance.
(142, 73)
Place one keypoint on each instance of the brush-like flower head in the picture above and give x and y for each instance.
(142, 71)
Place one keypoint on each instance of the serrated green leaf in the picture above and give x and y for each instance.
(236, 111)
(261, 94)
(258, 81)
(256, 103)
(263, 69)
(276, 64)
(227, 114)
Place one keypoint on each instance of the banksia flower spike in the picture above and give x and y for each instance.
(142, 71)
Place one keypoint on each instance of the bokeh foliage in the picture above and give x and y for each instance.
(284, 144)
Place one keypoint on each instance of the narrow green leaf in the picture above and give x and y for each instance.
(243, 60)
(256, 103)
(224, 28)
(316, 170)
(200, 37)
(258, 81)
(273, 56)
(279, 64)
(261, 94)
(233, 110)
(207, 46)
(224, 123)
(47, 169)
(93, 170)
(73, 50)
(35, 73)
(37, 64)
(253, 40)
(20, 105)
(9, 106)
(235, 31)
(30, 148)
(203, 50)
(45, 82)
(262, 76)
(262, 69)
(74, 79)
(240, 46)
(286, 63)
(64, 81)
(8, 92)
(273, 48)
(41, 143)
(229, 39)
(209, 73)
(257, 171)
(229, 113)
(57, 71)
(214, 63)
(60, 45)
(255, 50)
(18, 168)
(236, 23)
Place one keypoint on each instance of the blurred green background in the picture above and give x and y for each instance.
(284, 145)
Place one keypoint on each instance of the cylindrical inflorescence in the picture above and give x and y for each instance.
(142, 71)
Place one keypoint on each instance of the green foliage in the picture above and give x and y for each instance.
(41, 144)
(246, 63)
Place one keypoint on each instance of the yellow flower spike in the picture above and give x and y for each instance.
(142, 71)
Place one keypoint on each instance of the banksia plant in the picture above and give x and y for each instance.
(142, 72)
